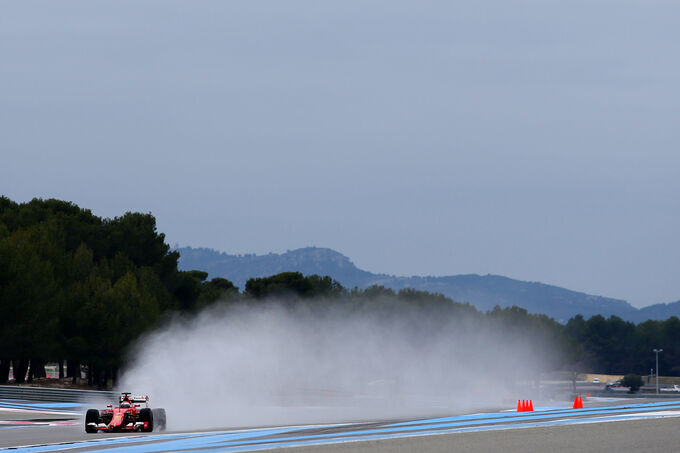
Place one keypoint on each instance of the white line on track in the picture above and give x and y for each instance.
(35, 411)
(32, 423)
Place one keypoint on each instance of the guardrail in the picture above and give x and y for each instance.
(53, 394)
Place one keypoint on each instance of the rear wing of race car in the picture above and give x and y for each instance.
(134, 398)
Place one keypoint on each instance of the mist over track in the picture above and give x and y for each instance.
(266, 363)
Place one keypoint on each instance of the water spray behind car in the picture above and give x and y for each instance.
(273, 364)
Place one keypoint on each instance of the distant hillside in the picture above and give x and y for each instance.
(483, 291)
(659, 311)
(311, 260)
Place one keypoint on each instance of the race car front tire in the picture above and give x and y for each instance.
(92, 416)
(146, 416)
(159, 419)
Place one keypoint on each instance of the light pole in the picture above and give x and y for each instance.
(657, 351)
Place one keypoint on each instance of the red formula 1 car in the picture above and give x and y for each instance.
(126, 416)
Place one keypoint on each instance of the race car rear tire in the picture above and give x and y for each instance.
(92, 416)
(146, 416)
(159, 419)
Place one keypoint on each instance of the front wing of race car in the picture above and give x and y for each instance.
(119, 419)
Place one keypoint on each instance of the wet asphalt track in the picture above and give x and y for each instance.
(605, 425)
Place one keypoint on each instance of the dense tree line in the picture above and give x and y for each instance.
(79, 289)
(614, 346)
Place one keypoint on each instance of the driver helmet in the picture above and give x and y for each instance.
(125, 404)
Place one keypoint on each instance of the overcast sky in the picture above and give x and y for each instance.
(537, 140)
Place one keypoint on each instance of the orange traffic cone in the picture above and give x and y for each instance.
(531, 406)
(578, 403)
